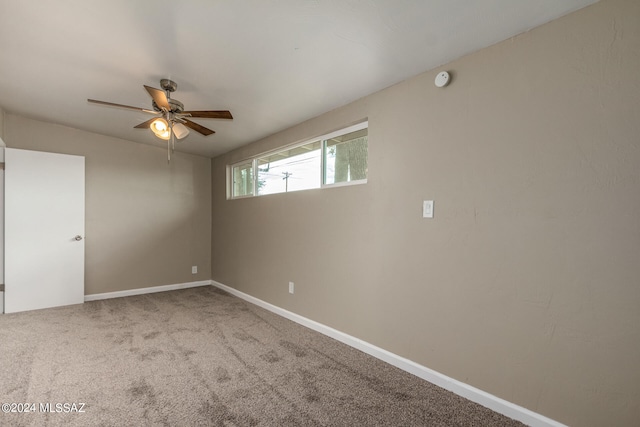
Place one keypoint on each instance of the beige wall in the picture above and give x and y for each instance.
(147, 222)
(526, 284)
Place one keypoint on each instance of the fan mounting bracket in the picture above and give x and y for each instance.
(168, 85)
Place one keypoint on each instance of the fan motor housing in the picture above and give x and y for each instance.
(176, 106)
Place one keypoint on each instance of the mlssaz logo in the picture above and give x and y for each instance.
(62, 407)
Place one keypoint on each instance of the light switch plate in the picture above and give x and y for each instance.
(427, 209)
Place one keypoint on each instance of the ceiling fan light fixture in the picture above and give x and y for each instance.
(170, 114)
(160, 127)
(180, 130)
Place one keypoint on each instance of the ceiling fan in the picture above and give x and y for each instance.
(170, 119)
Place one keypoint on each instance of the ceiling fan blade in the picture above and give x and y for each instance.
(201, 129)
(145, 124)
(111, 104)
(222, 114)
(158, 96)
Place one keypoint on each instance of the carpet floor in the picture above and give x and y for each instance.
(202, 357)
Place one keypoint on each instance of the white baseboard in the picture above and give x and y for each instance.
(140, 291)
(467, 391)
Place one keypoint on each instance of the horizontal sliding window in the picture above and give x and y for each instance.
(337, 158)
(293, 169)
(346, 157)
(243, 179)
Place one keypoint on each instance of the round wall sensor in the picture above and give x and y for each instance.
(442, 79)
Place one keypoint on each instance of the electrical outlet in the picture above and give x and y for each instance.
(194, 269)
(291, 286)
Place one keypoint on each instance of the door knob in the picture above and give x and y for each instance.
(78, 238)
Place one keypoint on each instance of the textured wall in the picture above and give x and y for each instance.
(526, 284)
(147, 222)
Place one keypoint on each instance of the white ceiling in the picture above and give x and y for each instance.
(273, 63)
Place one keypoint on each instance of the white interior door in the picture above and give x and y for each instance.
(44, 230)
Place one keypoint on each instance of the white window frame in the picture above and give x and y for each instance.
(323, 147)
(231, 183)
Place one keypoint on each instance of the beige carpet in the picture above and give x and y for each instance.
(203, 357)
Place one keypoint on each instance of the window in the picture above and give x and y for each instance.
(337, 158)
(243, 179)
(345, 157)
(293, 169)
